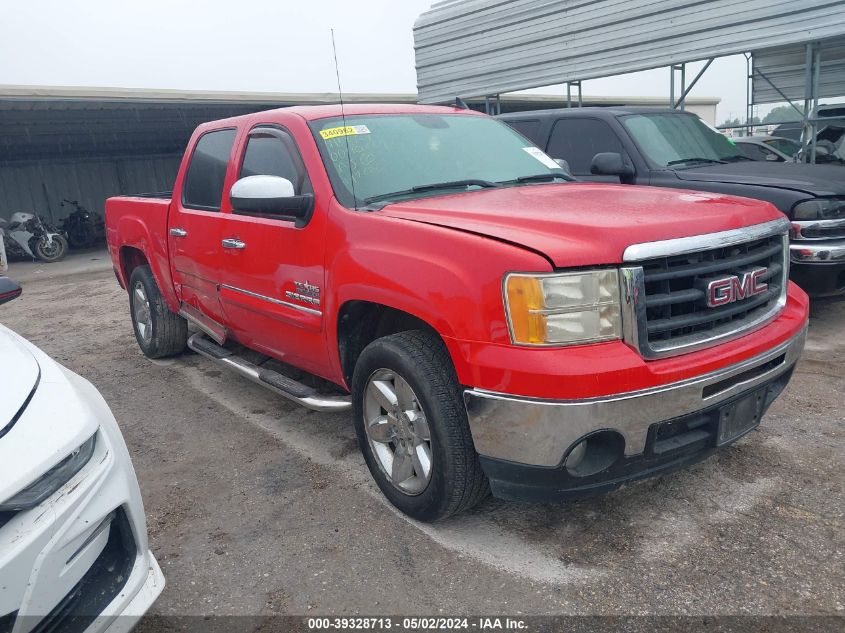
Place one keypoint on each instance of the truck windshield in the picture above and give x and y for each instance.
(679, 140)
(396, 157)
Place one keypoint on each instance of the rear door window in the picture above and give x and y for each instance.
(203, 188)
(577, 140)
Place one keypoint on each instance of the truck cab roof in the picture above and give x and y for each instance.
(316, 112)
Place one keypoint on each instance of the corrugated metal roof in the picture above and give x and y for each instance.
(38, 122)
(475, 47)
(785, 68)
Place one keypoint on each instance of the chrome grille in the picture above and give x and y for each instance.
(818, 229)
(667, 311)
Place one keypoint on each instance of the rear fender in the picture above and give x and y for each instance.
(133, 233)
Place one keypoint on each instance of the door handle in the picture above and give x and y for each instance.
(231, 242)
(177, 232)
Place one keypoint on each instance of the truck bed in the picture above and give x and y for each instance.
(138, 224)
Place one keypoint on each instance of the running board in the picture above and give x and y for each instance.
(267, 378)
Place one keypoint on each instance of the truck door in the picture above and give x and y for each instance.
(272, 271)
(194, 227)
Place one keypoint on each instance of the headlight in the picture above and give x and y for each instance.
(563, 309)
(52, 480)
(819, 209)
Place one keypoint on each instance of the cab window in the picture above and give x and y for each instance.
(273, 153)
(203, 188)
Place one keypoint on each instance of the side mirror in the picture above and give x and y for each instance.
(8, 290)
(564, 165)
(269, 195)
(611, 164)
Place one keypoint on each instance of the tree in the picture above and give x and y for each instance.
(737, 122)
(782, 114)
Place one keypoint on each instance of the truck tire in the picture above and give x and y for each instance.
(409, 414)
(159, 331)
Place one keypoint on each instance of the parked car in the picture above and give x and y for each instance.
(771, 148)
(673, 148)
(73, 538)
(830, 134)
(492, 320)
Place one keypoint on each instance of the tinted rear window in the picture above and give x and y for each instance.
(203, 187)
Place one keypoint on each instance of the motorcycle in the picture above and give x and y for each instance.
(27, 235)
(83, 227)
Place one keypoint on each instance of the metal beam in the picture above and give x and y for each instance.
(687, 90)
(778, 90)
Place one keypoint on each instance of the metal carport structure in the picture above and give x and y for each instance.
(471, 48)
(89, 143)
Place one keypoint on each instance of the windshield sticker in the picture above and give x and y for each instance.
(540, 155)
(349, 130)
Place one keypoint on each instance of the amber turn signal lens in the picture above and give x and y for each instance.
(525, 297)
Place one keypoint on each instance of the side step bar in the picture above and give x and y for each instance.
(272, 380)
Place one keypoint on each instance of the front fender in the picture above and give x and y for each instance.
(448, 278)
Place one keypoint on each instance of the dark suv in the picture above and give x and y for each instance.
(672, 148)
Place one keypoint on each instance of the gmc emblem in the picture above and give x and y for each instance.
(726, 290)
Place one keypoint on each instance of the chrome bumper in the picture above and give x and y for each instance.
(539, 432)
(829, 251)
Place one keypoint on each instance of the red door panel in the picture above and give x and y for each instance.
(263, 285)
(271, 270)
(195, 221)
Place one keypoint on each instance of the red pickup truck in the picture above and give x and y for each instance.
(491, 324)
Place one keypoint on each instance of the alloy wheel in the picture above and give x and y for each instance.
(398, 431)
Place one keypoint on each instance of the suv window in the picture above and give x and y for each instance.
(203, 188)
(529, 128)
(577, 140)
(274, 154)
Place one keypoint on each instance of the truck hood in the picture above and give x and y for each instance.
(584, 224)
(815, 180)
(19, 373)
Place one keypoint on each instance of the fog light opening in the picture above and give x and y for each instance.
(594, 453)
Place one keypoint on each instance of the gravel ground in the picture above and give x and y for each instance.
(258, 507)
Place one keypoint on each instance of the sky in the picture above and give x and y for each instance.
(260, 45)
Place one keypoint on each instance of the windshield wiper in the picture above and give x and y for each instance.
(451, 184)
(733, 159)
(694, 159)
(539, 178)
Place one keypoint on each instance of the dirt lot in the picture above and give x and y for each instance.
(256, 506)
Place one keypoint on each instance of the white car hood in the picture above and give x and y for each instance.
(54, 412)
(19, 374)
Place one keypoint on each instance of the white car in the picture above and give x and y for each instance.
(73, 538)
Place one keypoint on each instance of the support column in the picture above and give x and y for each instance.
(807, 137)
(749, 107)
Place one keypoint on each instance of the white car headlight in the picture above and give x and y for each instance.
(563, 308)
(52, 480)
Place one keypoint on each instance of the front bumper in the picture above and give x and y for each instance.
(818, 266)
(80, 558)
(524, 441)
